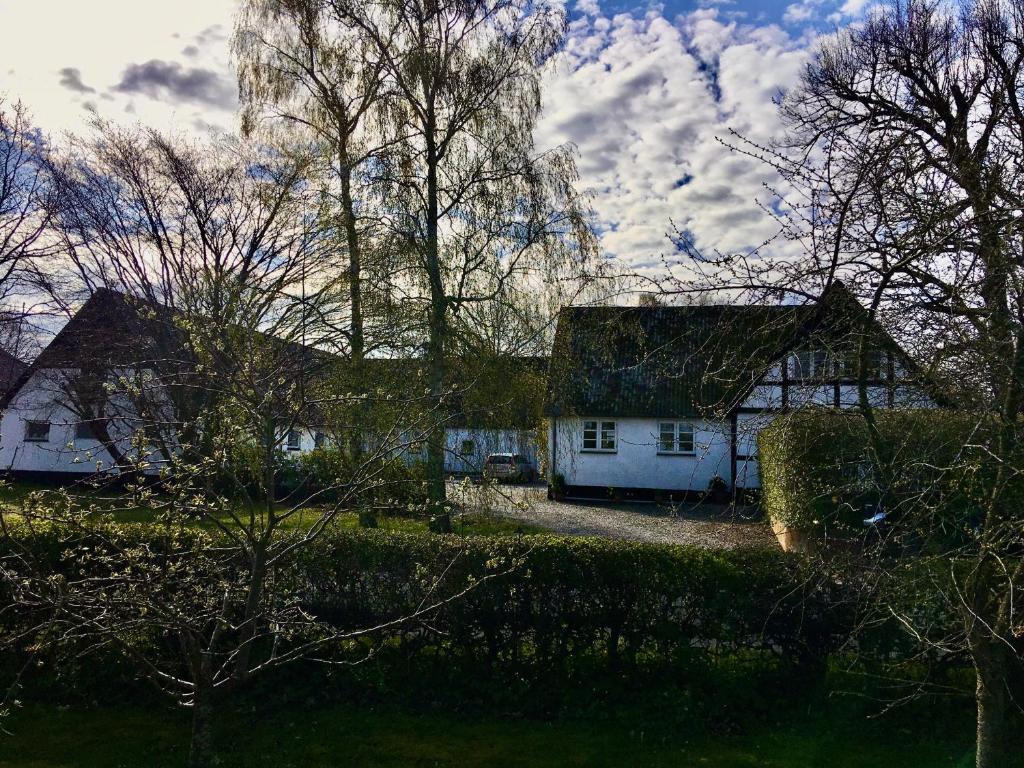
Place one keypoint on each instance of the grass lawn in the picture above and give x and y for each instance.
(13, 495)
(52, 738)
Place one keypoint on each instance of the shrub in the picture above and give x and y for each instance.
(557, 600)
(818, 470)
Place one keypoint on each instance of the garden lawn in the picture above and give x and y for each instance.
(334, 736)
(14, 495)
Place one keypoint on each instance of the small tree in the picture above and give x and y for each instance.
(203, 392)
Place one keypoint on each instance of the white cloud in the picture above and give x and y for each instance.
(644, 97)
(49, 49)
(798, 13)
(646, 101)
(854, 7)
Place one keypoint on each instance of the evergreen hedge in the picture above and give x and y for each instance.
(543, 601)
(819, 472)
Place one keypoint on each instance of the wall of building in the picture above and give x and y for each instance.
(636, 462)
(466, 449)
(41, 399)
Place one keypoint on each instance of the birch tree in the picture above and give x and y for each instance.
(480, 209)
(304, 75)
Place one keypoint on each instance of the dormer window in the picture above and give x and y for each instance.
(813, 364)
(294, 440)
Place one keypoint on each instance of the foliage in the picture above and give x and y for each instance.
(558, 601)
(818, 471)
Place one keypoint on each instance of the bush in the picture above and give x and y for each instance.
(557, 601)
(327, 474)
(818, 470)
(553, 600)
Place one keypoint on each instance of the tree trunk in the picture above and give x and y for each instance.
(201, 752)
(993, 707)
(437, 331)
(357, 340)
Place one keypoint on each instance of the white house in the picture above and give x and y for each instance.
(648, 401)
(75, 411)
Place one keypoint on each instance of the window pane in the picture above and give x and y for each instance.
(803, 364)
(83, 431)
(874, 364)
(293, 439)
(666, 437)
(590, 435)
(37, 431)
(820, 363)
(607, 435)
(685, 438)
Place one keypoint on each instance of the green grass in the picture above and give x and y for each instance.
(339, 736)
(14, 495)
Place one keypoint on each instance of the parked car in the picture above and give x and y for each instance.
(509, 467)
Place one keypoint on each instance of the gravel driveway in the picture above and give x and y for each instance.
(696, 524)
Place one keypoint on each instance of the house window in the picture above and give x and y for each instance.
(813, 364)
(294, 440)
(83, 431)
(675, 437)
(468, 448)
(851, 365)
(37, 431)
(599, 436)
(319, 440)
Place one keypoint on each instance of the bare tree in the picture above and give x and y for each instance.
(24, 190)
(900, 173)
(188, 363)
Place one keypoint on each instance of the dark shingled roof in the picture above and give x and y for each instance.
(113, 329)
(11, 369)
(684, 361)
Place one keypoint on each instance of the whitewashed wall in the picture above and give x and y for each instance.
(636, 462)
(41, 399)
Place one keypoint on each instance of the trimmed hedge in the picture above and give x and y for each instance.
(817, 470)
(558, 599)
(546, 600)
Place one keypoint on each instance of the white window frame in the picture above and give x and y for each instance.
(603, 436)
(296, 443)
(677, 429)
(28, 427)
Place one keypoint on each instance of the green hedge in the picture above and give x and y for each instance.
(818, 472)
(551, 600)
(555, 600)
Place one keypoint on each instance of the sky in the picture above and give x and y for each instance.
(645, 92)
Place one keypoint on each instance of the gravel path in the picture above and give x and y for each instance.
(701, 525)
